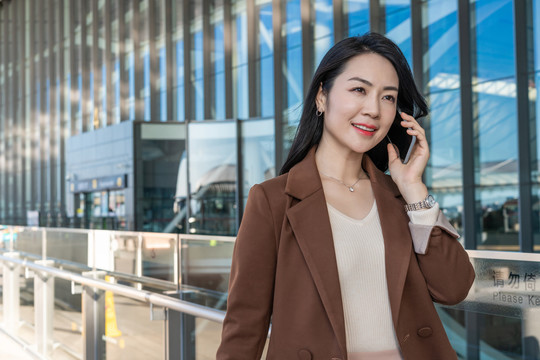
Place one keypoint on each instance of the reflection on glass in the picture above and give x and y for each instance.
(494, 89)
(178, 56)
(239, 59)
(141, 338)
(442, 72)
(494, 33)
(258, 152)
(398, 25)
(217, 66)
(212, 178)
(499, 222)
(323, 29)
(157, 256)
(292, 71)
(265, 58)
(161, 157)
(197, 68)
(357, 12)
(206, 266)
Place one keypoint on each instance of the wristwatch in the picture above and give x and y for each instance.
(427, 203)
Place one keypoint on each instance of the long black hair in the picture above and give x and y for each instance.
(310, 129)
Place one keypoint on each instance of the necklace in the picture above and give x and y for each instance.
(351, 187)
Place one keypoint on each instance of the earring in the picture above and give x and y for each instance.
(318, 113)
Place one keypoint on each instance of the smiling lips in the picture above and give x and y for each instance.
(365, 129)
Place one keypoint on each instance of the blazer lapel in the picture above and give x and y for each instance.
(396, 234)
(308, 216)
(310, 223)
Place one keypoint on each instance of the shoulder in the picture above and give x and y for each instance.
(271, 192)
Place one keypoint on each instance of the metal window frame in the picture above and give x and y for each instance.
(277, 24)
(523, 68)
(377, 16)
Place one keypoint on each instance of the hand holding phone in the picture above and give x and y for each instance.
(402, 140)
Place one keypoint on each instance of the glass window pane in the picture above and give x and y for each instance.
(178, 62)
(197, 65)
(494, 90)
(398, 25)
(265, 58)
(444, 172)
(258, 152)
(239, 59)
(292, 71)
(494, 39)
(323, 32)
(212, 178)
(217, 59)
(357, 12)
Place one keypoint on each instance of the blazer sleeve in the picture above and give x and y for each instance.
(251, 286)
(444, 262)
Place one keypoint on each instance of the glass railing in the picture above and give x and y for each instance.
(498, 319)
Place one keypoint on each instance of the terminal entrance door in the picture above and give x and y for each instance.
(101, 209)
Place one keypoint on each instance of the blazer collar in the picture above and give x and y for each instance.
(309, 220)
(304, 179)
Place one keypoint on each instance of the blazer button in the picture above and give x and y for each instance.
(304, 354)
(425, 331)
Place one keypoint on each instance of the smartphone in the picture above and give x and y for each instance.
(405, 143)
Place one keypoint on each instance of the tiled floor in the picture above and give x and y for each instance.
(11, 350)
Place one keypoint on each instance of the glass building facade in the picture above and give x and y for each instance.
(239, 69)
(234, 73)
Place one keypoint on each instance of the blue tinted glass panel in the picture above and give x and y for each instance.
(398, 25)
(266, 61)
(146, 86)
(358, 15)
(180, 112)
(219, 49)
(443, 51)
(103, 113)
(494, 53)
(324, 29)
(240, 70)
(212, 178)
(131, 95)
(117, 87)
(163, 84)
(220, 95)
(266, 34)
(444, 171)
(198, 72)
(267, 86)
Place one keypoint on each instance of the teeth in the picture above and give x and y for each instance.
(363, 128)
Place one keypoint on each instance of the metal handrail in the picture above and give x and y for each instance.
(140, 295)
(144, 280)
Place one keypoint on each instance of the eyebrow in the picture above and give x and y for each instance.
(355, 78)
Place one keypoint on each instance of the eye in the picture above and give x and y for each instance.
(390, 98)
(360, 90)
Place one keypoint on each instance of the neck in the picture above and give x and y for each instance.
(343, 165)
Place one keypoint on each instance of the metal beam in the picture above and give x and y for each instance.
(277, 23)
(523, 18)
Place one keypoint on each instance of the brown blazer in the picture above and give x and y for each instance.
(284, 269)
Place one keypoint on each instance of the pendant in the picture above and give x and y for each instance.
(351, 189)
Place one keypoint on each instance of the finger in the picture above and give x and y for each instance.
(392, 153)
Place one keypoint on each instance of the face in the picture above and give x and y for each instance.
(361, 105)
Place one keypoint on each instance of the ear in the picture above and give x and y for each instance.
(320, 99)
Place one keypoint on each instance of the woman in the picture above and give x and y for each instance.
(328, 250)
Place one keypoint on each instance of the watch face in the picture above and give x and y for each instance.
(430, 201)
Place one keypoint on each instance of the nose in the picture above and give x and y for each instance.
(371, 107)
